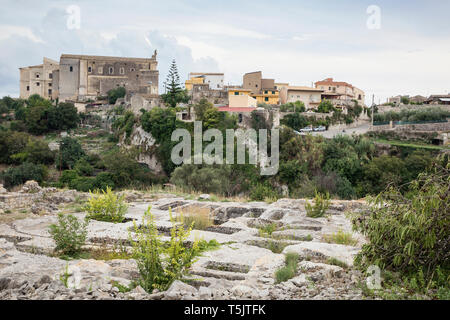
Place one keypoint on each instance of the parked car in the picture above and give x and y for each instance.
(320, 128)
(307, 129)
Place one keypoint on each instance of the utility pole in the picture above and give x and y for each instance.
(373, 108)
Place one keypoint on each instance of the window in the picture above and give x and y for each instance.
(50, 75)
(256, 85)
(49, 92)
(273, 92)
(218, 86)
(132, 70)
(37, 75)
(111, 70)
(38, 84)
(100, 70)
(89, 69)
(359, 97)
(122, 71)
(236, 93)
(71, 69)
(28, 88)
(240, 117)
(266, 92)
(49, 84)
(266, 99)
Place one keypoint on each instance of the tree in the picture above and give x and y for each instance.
(410, 233)
(36, 100)
(174, 93)
(295, 121)
(159, 122)
(405, 100)
(211, 119)
(115, 94)
(325, 107)
(64, 116)
(36, 119)
(70, 151)
(19, 175)
(200, 108)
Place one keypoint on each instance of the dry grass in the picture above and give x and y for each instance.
(200, 216)
(13, 215)
(189, 194)
(340, 237)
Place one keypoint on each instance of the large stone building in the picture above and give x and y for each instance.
(40, 79)
(83, 77)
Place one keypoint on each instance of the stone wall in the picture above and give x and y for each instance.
(429, 127)
(383, 109)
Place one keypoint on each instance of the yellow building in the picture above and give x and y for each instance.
(193, 80)
(268, 97)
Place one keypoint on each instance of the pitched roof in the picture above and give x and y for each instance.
(236, 109)
(87, 57)
(303, 88)
(330, 81)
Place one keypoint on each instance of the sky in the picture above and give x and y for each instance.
(400, 47)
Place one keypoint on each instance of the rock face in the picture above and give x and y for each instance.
(38, 200)
(242, 267)
(146, 143)
(31, 186)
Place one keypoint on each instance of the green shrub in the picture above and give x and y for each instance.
(106, 206)
(410, 233)
(337, 262)
(340, 237)
(160, 265)
(70, 151)
(83, 184)
(19, 175)
(104, 180)
(69, 234)
(115, 94)
(267, 230)
(68, 176)
(261, 192)
(289, 270)
(83, 168)
(321, 204)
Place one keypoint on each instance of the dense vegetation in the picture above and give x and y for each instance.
(428, 114)
(344, 167)
(29, 157)
(409, 234)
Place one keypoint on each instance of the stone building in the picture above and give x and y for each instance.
(84, 77)
(311, 97)
(203, 91)
(340, 91)
(40, 79)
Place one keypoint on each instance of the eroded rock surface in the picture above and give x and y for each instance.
(243, 267)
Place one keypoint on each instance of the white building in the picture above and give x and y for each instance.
(214, 80)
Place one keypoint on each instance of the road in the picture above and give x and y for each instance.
(334, 132)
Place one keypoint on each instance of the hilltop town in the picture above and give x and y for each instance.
(92, 206)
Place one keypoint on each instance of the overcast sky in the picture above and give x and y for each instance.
(294, 41)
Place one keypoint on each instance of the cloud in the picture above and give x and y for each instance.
(21, 48)
(7, 31)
